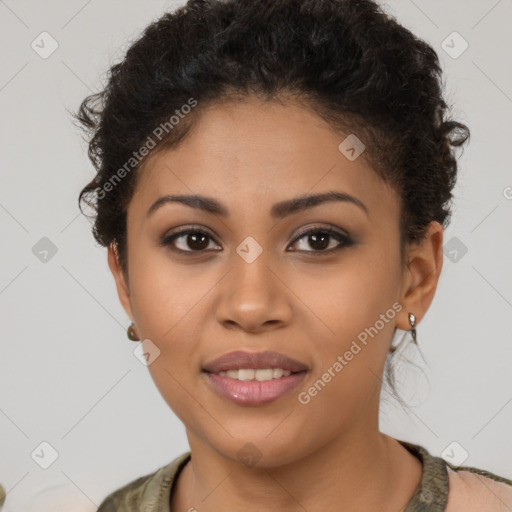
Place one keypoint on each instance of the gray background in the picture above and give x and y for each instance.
(68, 376)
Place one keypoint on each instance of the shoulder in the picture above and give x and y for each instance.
(150, 492)
(448, 488)
(477, 489)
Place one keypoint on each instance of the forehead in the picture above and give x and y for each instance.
(251, 153)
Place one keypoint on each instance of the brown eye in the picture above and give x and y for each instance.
(189, 240)
(321, 238)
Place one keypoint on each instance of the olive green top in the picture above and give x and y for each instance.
(2, 495)
(151, 493)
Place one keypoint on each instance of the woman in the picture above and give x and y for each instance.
(273, 181)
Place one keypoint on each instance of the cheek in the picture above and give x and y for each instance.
(350, 297)
(168, 308)
(355, 303)
(350, 363)
(167, 376)
(166, 297)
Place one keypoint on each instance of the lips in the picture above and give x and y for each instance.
(256, 360)
(244, 377)
(253, 393)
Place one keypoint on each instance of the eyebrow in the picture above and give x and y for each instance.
(278, 210)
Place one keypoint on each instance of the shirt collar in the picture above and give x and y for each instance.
(430, 496)
(432, 493)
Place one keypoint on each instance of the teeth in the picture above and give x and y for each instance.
(246, 374)
(277, 372)
(259, 375)
(264, 374)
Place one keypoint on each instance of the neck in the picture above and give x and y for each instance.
(361, 469)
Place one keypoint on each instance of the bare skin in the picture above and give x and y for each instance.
(327, 454)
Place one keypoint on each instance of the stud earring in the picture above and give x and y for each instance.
(412, 321)
(132, 335)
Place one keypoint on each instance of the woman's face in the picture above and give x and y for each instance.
(253, 282)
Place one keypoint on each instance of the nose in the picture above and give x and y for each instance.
(254, 297)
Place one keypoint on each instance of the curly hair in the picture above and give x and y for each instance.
(348, 61)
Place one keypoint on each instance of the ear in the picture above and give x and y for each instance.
(123, 290)
(425, 261)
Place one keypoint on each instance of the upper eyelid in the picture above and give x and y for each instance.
(329, 229)
(187, 229)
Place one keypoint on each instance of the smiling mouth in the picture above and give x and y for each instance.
(254, 378)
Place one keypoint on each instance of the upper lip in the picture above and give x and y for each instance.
(256, 360)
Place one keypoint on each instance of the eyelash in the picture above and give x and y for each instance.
(345, 241)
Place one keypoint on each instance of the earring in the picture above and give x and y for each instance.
(412, 321)
(132, 335)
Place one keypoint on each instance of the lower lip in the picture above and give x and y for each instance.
(253, 392)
